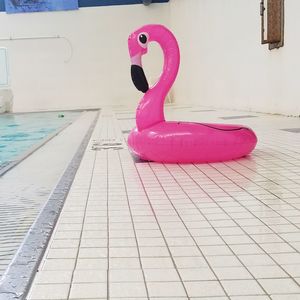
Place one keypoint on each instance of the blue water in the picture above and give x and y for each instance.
(20, 132)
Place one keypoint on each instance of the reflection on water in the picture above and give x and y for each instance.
(19, 132)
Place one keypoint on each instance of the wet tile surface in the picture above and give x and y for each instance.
(145, 230)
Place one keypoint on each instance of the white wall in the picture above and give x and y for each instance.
(44, 75)
(223, 62)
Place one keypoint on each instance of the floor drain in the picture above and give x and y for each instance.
(238, 117)
(293, 130)
(202, 110)
(107, 144)
(126, 131)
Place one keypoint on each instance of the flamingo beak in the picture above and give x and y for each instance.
(138, 75)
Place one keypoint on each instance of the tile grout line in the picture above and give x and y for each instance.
(115, 125)
(191, 236)
(296, 195)
(258, 244)
(84, 216)
(134, 227)
(163, 236)
(82, 226)
(264, 204)
(214, 227)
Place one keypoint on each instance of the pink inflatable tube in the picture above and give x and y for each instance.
(154, 139)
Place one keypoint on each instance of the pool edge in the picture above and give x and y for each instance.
(32, 249)
(36, 147)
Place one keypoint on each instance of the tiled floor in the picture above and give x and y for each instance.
(136, 230)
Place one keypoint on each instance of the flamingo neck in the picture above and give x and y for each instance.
(151, 107)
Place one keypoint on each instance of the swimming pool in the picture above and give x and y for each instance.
(20, 132)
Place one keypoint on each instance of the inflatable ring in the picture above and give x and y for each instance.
(155, 139)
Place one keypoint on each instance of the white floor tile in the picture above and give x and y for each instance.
(159, 275)
(224, 261)
(53, 277)
(135, 275)
(280, 286)
(197, 274)
(226, 273)
(166, 289)
(89, 276)
(127, 289)
(49, 291)
(88, 290)
(242, 287)
(272, 271)
(204, 289)
(190, 262)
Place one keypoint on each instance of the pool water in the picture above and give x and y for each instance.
(20, 132)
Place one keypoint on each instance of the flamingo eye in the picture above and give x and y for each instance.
(143, 39)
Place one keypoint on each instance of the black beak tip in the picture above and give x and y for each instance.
(139, 78)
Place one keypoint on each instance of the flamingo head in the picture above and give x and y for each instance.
(138, 46)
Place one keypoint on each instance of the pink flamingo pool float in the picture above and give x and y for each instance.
(155, 139)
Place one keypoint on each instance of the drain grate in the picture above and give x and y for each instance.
(293, 130)
(107, 144)
(202, 110)
(125, 112)
(238, 117)
(129, 118)
(126, 131)
(181, 107)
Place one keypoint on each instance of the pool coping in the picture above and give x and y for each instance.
(16, 281)
(34, 148)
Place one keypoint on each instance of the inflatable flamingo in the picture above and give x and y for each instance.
(154, 139)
